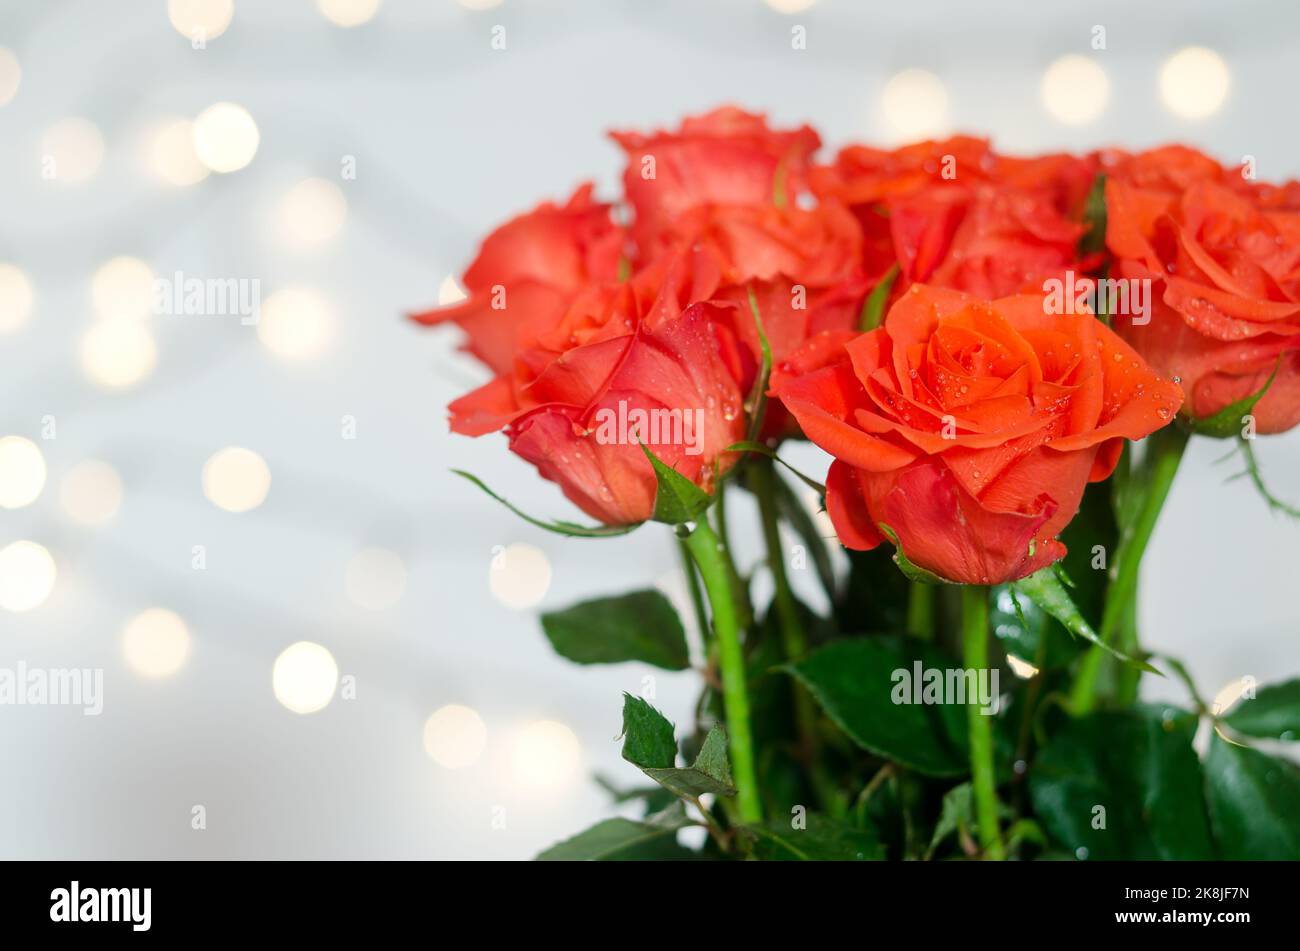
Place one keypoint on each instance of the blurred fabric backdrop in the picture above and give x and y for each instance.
(421, 593)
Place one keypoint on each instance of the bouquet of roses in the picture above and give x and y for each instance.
(1005, 358)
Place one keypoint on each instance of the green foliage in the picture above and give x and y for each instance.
(677, 499)
(639, 626)
(854, 682)
(621, 840)
(1124, 785)
(1274, 713)
(1254, 803)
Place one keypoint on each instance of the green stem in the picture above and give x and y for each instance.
(787, 611)
(975, 644)
(1152, 481)
(697, 596)
(707, 551)
(920, 610)
(739, 593)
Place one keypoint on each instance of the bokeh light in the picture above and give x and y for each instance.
(172, 156)
(790, 6)
(304, 677)
(156, 643)
(1231, 692)
(122, 288)
(91, 492)
(225, 137)
(11, 76)
(15, 298)
(915, 105)
(348, 13)
(27, 574)
(22, 472)
(71, 151)
(311, 213)
(200, 19)
(546, 756)
(455, 736)
(1075, 89)
(450, 292)
(1194, 82)
(519, 576)
(236, 479)
(296, 324)
(117, 354)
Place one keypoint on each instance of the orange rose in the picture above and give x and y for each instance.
(970, 427)
(956, 214)
(528, 272)
(725, 157)
(1223, 257)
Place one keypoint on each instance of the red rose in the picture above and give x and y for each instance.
(572, 401)
(726, 157)
(1223, 258)
(669, 378)
(955, 214)
(970, 427)
(527, 273)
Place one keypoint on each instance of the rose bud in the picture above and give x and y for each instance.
(969, 428)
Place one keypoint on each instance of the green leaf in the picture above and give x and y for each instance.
(649, 745)
(912, 571)
(710, 773)
(1094, 218)
(1273, 713)
(822, 839)
(956, 814)
(558, 527)
(873, 308)
(855, 681)
(655, 798)
(640, 626)
(1254, 803)
(1226, 423)
(647, 735)
(1139, 766)
(1045, 589)
(621, 840)
(677, 499)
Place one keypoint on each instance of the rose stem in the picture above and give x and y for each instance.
(975, 644)
(707, 551)
(739, 593)
(697, 598)
(920, 610)
(793, 641)
(1164, 450)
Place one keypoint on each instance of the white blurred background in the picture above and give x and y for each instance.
(366, 547)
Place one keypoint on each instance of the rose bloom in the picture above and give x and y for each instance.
(725, 157)
(622, 352)
(528, 272)
(970, 427)
(954, 213)
(1223, 256)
